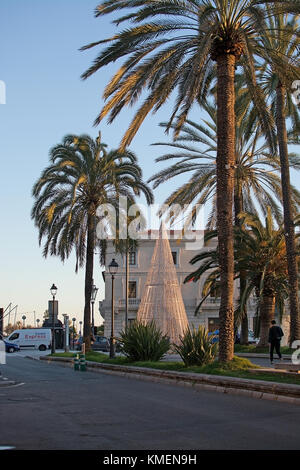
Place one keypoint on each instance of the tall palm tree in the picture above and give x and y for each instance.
(82, 175)
(175, 44)
(256, 176)
(283, 39)
(261, 254)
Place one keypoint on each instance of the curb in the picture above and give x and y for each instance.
(254, 388)
(260, 355)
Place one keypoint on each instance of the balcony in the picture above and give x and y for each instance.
(211, 302)
(131, 303)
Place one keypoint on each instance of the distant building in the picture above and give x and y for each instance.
(139, 263)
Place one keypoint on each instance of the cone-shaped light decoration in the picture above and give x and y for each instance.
(162, 299)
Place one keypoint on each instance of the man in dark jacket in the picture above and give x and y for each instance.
(275, 335)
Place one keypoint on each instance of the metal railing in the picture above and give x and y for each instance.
(132, 302)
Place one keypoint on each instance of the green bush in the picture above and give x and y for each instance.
(144, 342)
(196, 347)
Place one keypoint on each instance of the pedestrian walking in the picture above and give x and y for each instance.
(275, 335)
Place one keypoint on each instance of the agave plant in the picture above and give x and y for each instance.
(197, 347)
(144, 342)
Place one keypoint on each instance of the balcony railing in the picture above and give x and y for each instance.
(213, 300)
(132, 302)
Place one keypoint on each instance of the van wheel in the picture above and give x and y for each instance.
(11, 350)
(42, 347)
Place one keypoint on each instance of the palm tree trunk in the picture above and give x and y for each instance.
(238, 207)
(267, 310)
(244, 323)
(288, 214)
(89, 268)
(225, 185)
(126, 284)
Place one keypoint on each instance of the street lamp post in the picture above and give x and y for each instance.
(113, 268)
(66, 330)
(73, 320)
(53, 291)
(93, 298)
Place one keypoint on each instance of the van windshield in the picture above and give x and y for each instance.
(14, 336)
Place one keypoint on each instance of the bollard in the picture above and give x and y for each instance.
(82, 363)
(76, 362)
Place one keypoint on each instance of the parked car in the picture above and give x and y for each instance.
(11, 347)
(251, 338)
(101, 343)
(216, 336)
(78, 343)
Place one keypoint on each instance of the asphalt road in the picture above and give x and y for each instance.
(55, 407)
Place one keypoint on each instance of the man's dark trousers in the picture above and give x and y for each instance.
(275, 343)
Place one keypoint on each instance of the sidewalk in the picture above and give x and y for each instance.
(260, 355)
(248, 387)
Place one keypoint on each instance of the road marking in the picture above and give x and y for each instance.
(15, 385)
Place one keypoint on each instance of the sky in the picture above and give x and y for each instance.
(40, 64)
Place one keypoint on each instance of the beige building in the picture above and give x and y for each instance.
(139, 263)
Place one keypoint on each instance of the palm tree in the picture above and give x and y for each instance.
(261, 254)
(255, 174)
(175, 45)
(282, 38)
(82, 175)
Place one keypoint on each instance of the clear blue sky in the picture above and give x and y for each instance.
(46, 99)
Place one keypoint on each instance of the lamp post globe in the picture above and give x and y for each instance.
(53, 290)
(113, 267)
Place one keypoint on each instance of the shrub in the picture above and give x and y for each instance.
(196, 347)
(144, 342)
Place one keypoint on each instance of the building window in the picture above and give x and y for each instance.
(132, 289)
(132, 258)
(174, 256)
(215, 291)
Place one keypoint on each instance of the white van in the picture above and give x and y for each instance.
(37, 338)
